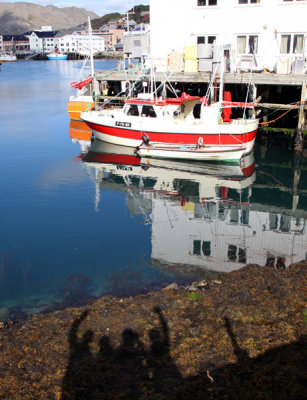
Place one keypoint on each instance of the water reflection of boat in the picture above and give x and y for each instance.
(105, 156)
(81, 134)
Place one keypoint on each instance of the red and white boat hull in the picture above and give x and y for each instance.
(108, 130)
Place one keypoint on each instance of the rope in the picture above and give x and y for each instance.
(274, 120)
(276, 180)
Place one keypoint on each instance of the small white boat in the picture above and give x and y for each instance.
(7, 57)
(57, 56)
(191, 152)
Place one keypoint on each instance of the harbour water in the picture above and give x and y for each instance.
(81, 219)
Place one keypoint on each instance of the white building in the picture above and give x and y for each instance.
(268, 33)
(137, 42)
(42, 41)
(77, 43)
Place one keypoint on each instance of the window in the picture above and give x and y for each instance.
(285, 44)
(241, 44)
(148, 111)
(232, 252)
(297, 44)
(298, 41)
(133, 110)
(236, 254)
(201, 247)
(207, 2)
(252, 44)
(206, 247)
(196, 247)
(206, 39)
(251, 41)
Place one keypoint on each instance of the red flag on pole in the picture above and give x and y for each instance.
(80, 85)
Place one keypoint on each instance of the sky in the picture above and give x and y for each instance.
(100, 7)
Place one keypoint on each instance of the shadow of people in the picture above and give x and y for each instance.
(161, 366)
(129, 371)
(77, 382)
(129, 366)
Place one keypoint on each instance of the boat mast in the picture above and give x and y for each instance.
(221, 92)
(91, 46)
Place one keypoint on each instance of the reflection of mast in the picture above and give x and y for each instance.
(98, 178)
(296, 180)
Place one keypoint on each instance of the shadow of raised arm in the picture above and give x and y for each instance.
(240, 353)
(74, 329)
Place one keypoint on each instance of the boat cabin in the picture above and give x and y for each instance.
(186, 109)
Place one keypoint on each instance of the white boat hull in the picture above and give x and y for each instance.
(56, 56)
(209, 153)
(7, 58)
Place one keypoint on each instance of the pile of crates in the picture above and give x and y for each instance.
(205, 57)
(198, 58)
(190, 59)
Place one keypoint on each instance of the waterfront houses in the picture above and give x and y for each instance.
(137, 42)
(42, 41)
(257, 34)
(79, 43)
(14, 43)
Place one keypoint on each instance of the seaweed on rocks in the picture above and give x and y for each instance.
(242, 337)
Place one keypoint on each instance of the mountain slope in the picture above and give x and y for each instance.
(18, 17)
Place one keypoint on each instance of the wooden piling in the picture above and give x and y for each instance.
(299, 141)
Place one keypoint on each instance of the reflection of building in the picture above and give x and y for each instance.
(201, 214)
(225, 236)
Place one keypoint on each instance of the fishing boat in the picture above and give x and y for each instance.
(170, 122)
(7, 57)
(216, 130)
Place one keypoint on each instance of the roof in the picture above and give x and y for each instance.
(176, 101)
(7, 38)
(47, 34)
(146, 18)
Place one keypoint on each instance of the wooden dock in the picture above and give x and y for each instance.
(205, 77)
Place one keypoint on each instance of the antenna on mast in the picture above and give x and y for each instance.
(128, 13)
(91, 46)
